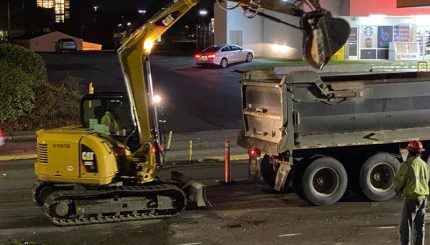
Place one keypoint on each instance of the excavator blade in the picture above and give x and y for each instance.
(323, 36)
(194, 190)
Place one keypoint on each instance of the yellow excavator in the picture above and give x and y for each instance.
(106, 170)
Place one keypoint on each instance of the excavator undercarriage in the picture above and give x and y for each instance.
(69, 205)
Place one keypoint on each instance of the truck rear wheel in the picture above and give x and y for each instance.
(324, 181)
(377, 176)
(267, 171)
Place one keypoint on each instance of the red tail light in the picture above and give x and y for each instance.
(211, 56)
(1, 137)
(155, 149)
(254, 152)
(197, 56)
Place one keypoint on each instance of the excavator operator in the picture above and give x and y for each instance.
(109, 120)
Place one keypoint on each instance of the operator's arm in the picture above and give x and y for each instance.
(400, 178)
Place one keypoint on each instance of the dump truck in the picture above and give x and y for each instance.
(323, 132)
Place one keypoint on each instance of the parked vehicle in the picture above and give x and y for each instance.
(65, 44)
(223, 55)
(332, 130)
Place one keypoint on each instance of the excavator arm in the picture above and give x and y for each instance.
(323, 35)
(134, 59)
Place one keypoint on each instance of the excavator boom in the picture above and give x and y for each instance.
(134, 54)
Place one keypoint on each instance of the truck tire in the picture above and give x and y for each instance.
(377, 176)
(267, 172)
(324, 181)
(298, 171)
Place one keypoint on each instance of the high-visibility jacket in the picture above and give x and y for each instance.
(109, 120)
(412, 180)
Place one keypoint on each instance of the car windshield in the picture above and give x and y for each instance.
(211, 49)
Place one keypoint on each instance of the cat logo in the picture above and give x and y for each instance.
(87, 156)
(168, 20)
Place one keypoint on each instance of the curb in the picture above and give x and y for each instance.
(240, 157)
(18, 157)
(24, 135)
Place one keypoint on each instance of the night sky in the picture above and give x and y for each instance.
(149, 5)
(123, 11)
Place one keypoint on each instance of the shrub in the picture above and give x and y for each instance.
(28, 101)
(17, 97)
(26, 60)
(55, 107)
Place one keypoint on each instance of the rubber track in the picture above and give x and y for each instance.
(138, 191)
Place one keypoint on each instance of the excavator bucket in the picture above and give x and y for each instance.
(323, 36)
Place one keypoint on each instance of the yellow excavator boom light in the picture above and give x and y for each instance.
(148, 45)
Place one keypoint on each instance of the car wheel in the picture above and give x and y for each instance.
(249, 57)
(224, 63)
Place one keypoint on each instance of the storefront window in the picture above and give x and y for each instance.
(423, 39)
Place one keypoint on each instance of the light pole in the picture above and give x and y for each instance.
(202, 14)
(200, 30)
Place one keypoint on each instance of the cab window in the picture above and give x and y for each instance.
(108, 116)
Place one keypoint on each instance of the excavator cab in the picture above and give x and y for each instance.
(109, 114)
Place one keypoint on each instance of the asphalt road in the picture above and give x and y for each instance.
(194, 98)
(242, 213)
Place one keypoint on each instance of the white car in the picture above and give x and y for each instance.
(223, 55)
(65, 44)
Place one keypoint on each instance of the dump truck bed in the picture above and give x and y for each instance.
(307, 110)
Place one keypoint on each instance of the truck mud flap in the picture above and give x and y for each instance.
(281, 176)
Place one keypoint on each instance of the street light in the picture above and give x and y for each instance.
(141, 11)
(203, 12)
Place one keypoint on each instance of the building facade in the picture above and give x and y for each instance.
(33, 17)
(377, 28)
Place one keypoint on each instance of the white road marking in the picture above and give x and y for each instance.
(287, 235)
(386, 227)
